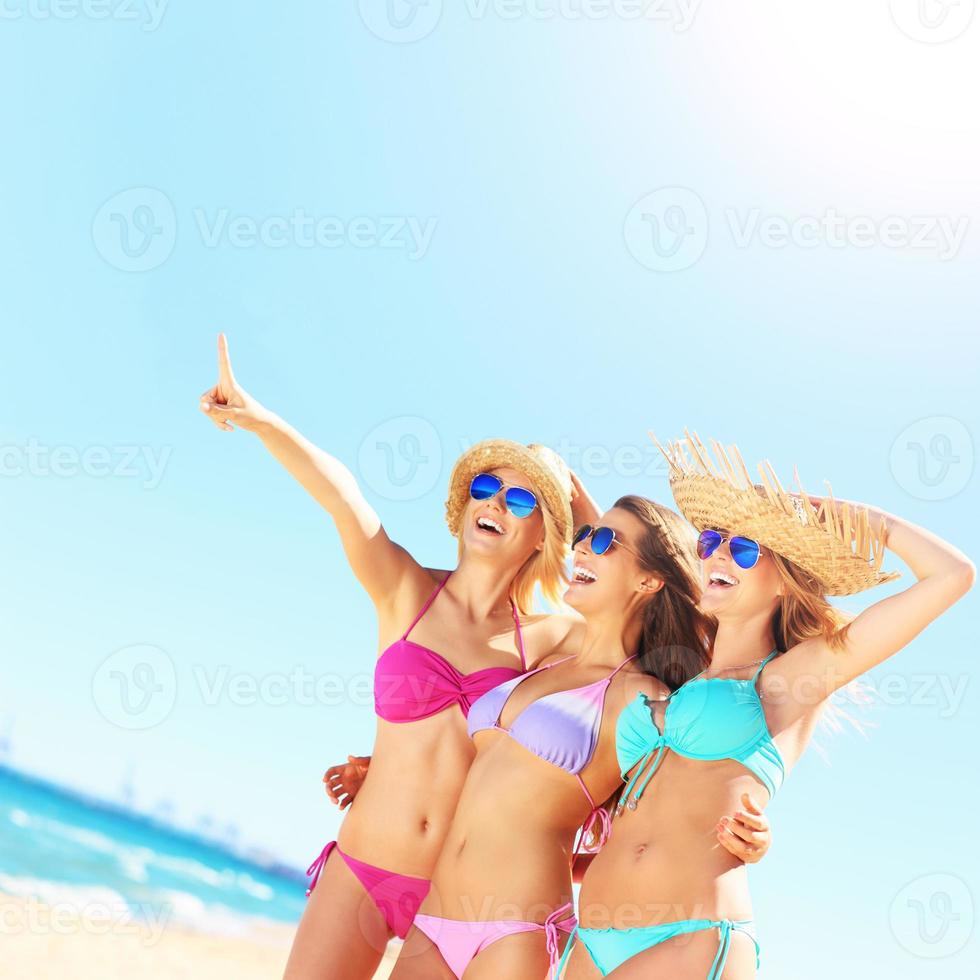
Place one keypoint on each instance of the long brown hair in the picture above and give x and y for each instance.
(675, 643)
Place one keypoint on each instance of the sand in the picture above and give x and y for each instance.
(41, 942)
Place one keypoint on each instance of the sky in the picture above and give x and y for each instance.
(421, 226)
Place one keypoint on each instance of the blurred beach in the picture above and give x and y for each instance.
(61, 939)
(88, 890)
(44, 941)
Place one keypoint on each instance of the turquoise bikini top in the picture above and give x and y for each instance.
(708, 718)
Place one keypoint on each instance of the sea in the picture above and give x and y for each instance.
(63, 848)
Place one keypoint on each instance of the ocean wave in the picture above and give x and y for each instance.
(19, 818)
(171, 907)
(213, 918)
(50, 892)
(89, 839)
(106, 870)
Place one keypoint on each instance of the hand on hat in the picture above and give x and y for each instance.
(228, 402)
(875, 516)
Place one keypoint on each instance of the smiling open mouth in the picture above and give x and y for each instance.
(583, 576)
(489, 525)
(721, 580)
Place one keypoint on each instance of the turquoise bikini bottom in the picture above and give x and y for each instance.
(611, 948)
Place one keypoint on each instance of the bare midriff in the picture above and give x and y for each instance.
(508, 853)
(663, 862)
(402, 813)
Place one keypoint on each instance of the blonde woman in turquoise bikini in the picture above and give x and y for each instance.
(662, 900)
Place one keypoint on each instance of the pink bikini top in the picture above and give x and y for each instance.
(562, 728)
(413, 682)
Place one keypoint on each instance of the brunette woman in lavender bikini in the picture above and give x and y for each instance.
(509, 507)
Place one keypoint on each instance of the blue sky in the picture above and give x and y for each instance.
(756, 222)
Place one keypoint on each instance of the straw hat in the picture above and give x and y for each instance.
(838, 547)
(545, 469)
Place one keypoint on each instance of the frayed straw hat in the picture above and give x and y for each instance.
(546, 470)
(839, 548)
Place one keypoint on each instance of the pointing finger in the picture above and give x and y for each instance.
(226, 378)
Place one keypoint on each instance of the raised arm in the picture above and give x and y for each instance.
(379, 564)
(943, 575)
(584, 508)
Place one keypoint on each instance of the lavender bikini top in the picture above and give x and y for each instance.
(413, 682)
(562, 728)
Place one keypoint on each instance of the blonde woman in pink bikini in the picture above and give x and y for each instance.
(444, 639)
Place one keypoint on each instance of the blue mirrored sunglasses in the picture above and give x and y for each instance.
(745, 551)
(519, 500)
(601, 539)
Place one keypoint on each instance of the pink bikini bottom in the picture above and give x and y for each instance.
(396, 896)
(459, 941)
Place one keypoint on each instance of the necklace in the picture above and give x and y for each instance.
(738, 666)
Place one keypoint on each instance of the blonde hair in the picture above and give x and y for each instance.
(545, 567)
(804, 611)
